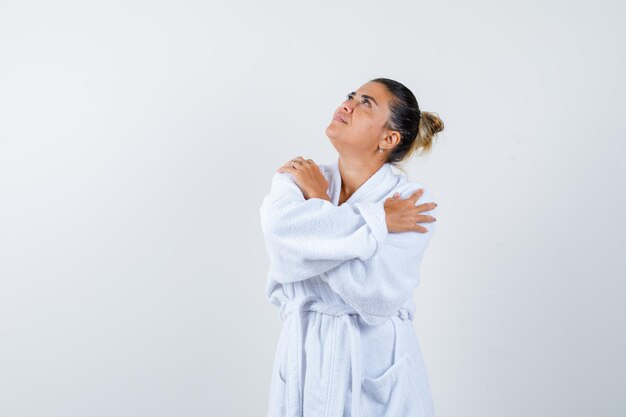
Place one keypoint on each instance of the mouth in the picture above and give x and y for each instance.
(340, 119)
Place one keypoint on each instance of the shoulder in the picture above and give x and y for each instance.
(325, 169)
(406, 188)
(281, 180)
(413, 241)
(283, 185)
(287, 177)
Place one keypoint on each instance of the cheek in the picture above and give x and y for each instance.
(365, 135)
(367, 128)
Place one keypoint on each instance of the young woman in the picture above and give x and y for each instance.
(345, 247)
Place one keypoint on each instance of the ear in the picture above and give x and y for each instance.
(391, 138)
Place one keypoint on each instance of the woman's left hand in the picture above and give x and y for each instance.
(308, 176)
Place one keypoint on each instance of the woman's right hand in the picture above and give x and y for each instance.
(403, 215)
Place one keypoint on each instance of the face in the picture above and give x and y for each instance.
(357, 128)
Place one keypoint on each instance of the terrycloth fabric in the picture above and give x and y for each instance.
(344, 287)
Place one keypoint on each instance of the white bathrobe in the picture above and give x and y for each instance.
(344, 286)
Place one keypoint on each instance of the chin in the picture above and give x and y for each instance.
(329, 131)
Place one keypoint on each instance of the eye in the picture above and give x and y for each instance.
(365, 101)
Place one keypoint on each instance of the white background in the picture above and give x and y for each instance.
(137, 140)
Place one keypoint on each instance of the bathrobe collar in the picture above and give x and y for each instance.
(375, 188)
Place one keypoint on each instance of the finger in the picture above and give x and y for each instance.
(416, 195)
(292, 162)
(426, 207)
(395, 196)
(296, 162)
(287, 168)
(297, 159)
(420, 229)
(424, 218)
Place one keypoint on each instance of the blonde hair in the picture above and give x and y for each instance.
(430, 124)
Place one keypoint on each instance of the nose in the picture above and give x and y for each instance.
(347, 106)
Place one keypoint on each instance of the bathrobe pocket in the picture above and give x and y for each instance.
(394, 393)
(278, 395)
(277, 406)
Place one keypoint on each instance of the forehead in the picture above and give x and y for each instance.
(376, 90)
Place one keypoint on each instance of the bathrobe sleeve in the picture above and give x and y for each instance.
(305, 238)
(377, 287)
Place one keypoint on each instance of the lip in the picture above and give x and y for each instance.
(339, 119)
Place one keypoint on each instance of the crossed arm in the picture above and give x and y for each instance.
(348, 246)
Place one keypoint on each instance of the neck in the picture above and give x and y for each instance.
(353, 174)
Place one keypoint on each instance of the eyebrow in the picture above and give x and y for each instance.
(366, 96)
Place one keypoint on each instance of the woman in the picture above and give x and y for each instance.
(345, 248)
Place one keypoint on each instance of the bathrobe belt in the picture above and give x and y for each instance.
(295, 348)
